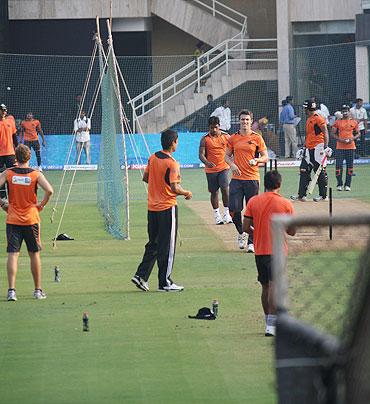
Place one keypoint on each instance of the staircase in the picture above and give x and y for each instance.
(224, 67)
(210, 21)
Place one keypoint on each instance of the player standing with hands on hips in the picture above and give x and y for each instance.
(317, 139)
(245, 150)
(23, 219)
(258, 213)
(163, 177)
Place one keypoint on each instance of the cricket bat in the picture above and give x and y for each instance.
(312, 183)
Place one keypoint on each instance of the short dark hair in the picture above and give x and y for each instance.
(245, 112)
(272, 180)
(167, 138)
(213, 120)
(22, 153)
(359, 100)
(289, 98)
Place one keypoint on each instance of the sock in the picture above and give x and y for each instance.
(226, 210)
(266, 319)
(271, 319)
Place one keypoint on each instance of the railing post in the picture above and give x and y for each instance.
(161, 99)
(227, 58)
(174, 85)
(213, 8)
(198, 74)
(133, 119)
(142, 105)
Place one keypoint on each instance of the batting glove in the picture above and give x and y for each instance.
(300, 154)
(328, 151)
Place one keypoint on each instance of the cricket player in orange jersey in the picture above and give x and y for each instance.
(23, 219)
(212, 149)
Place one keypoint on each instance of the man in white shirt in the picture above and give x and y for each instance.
(224, 115)
(322, 110)
(358, 112)
(82, 126)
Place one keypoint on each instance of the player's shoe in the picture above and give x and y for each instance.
(298, 198)
(140, 283)
(38, 294)
(218, 219)
(242, 240)
(320, 198)
(250, 248)
(339, 188)
(270, 331)
(227, 218)
(347, 188)
(171, 288)
(12, 297)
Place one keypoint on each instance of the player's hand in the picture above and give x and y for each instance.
(44, 143)
(188, 195)
(235, 170)
(300, 154)
(4, 204)
(209, 164)
(253, 162)
(328, 151)
(39, 207)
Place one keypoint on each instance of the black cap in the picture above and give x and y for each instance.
(310, 105)
(345, 107)
(3, 107)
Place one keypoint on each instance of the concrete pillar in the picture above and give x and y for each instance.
(283, 42)
(362, 73)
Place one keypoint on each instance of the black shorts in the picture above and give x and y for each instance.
(8, 161)
(217, 180)
(32, 144)
(15, 235)
(264, 265)
(240, 189)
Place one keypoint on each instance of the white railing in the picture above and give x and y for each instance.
(221, 10)
(224, 54)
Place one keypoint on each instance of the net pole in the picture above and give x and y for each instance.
(330, 212)
(127, 211)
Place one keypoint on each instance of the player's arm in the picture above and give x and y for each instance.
(3, 202)
(263, 158)
(229, 160)
(356, 133)
(146, 176)
(365, 121)
(324, 130)
(247, 224)
(202, 154)
(39, 130)
(48, 191)
(179, 190)
(21, 134)
(334, 134)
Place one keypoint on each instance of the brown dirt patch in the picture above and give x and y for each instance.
(306, 239)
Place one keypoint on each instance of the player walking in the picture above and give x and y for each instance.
(246, 149)
(212, 151)
(30, 128)
(258, 214)
(23, 219)
(345, 131)
(163, 177)
(317, 139)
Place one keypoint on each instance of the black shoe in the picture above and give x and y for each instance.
(140, 283)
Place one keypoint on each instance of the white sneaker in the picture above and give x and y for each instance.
(270, 331)
(320, 198)
(298, 198)
(39, 294)
(347, 188)
(140, 283)
(12, 297)
(250, 248)
(339, 188)
(242, 240)
(218, 219)
(227, 218)
(171, 288)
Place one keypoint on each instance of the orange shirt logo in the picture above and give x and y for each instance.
(244, 148)
(215, 148)
(314, 135)
(346, 127)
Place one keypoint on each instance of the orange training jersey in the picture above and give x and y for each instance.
(30, 129)
(6, 137)
(163, 170)
(12, 120)
(215, 149)
(314, 135)
(244, 149)
(22, 187)
(260, 208)
(346, 127)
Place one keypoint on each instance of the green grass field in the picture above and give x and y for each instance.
(141, 346)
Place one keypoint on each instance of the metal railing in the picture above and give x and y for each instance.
(225, 12)
(224, 54)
